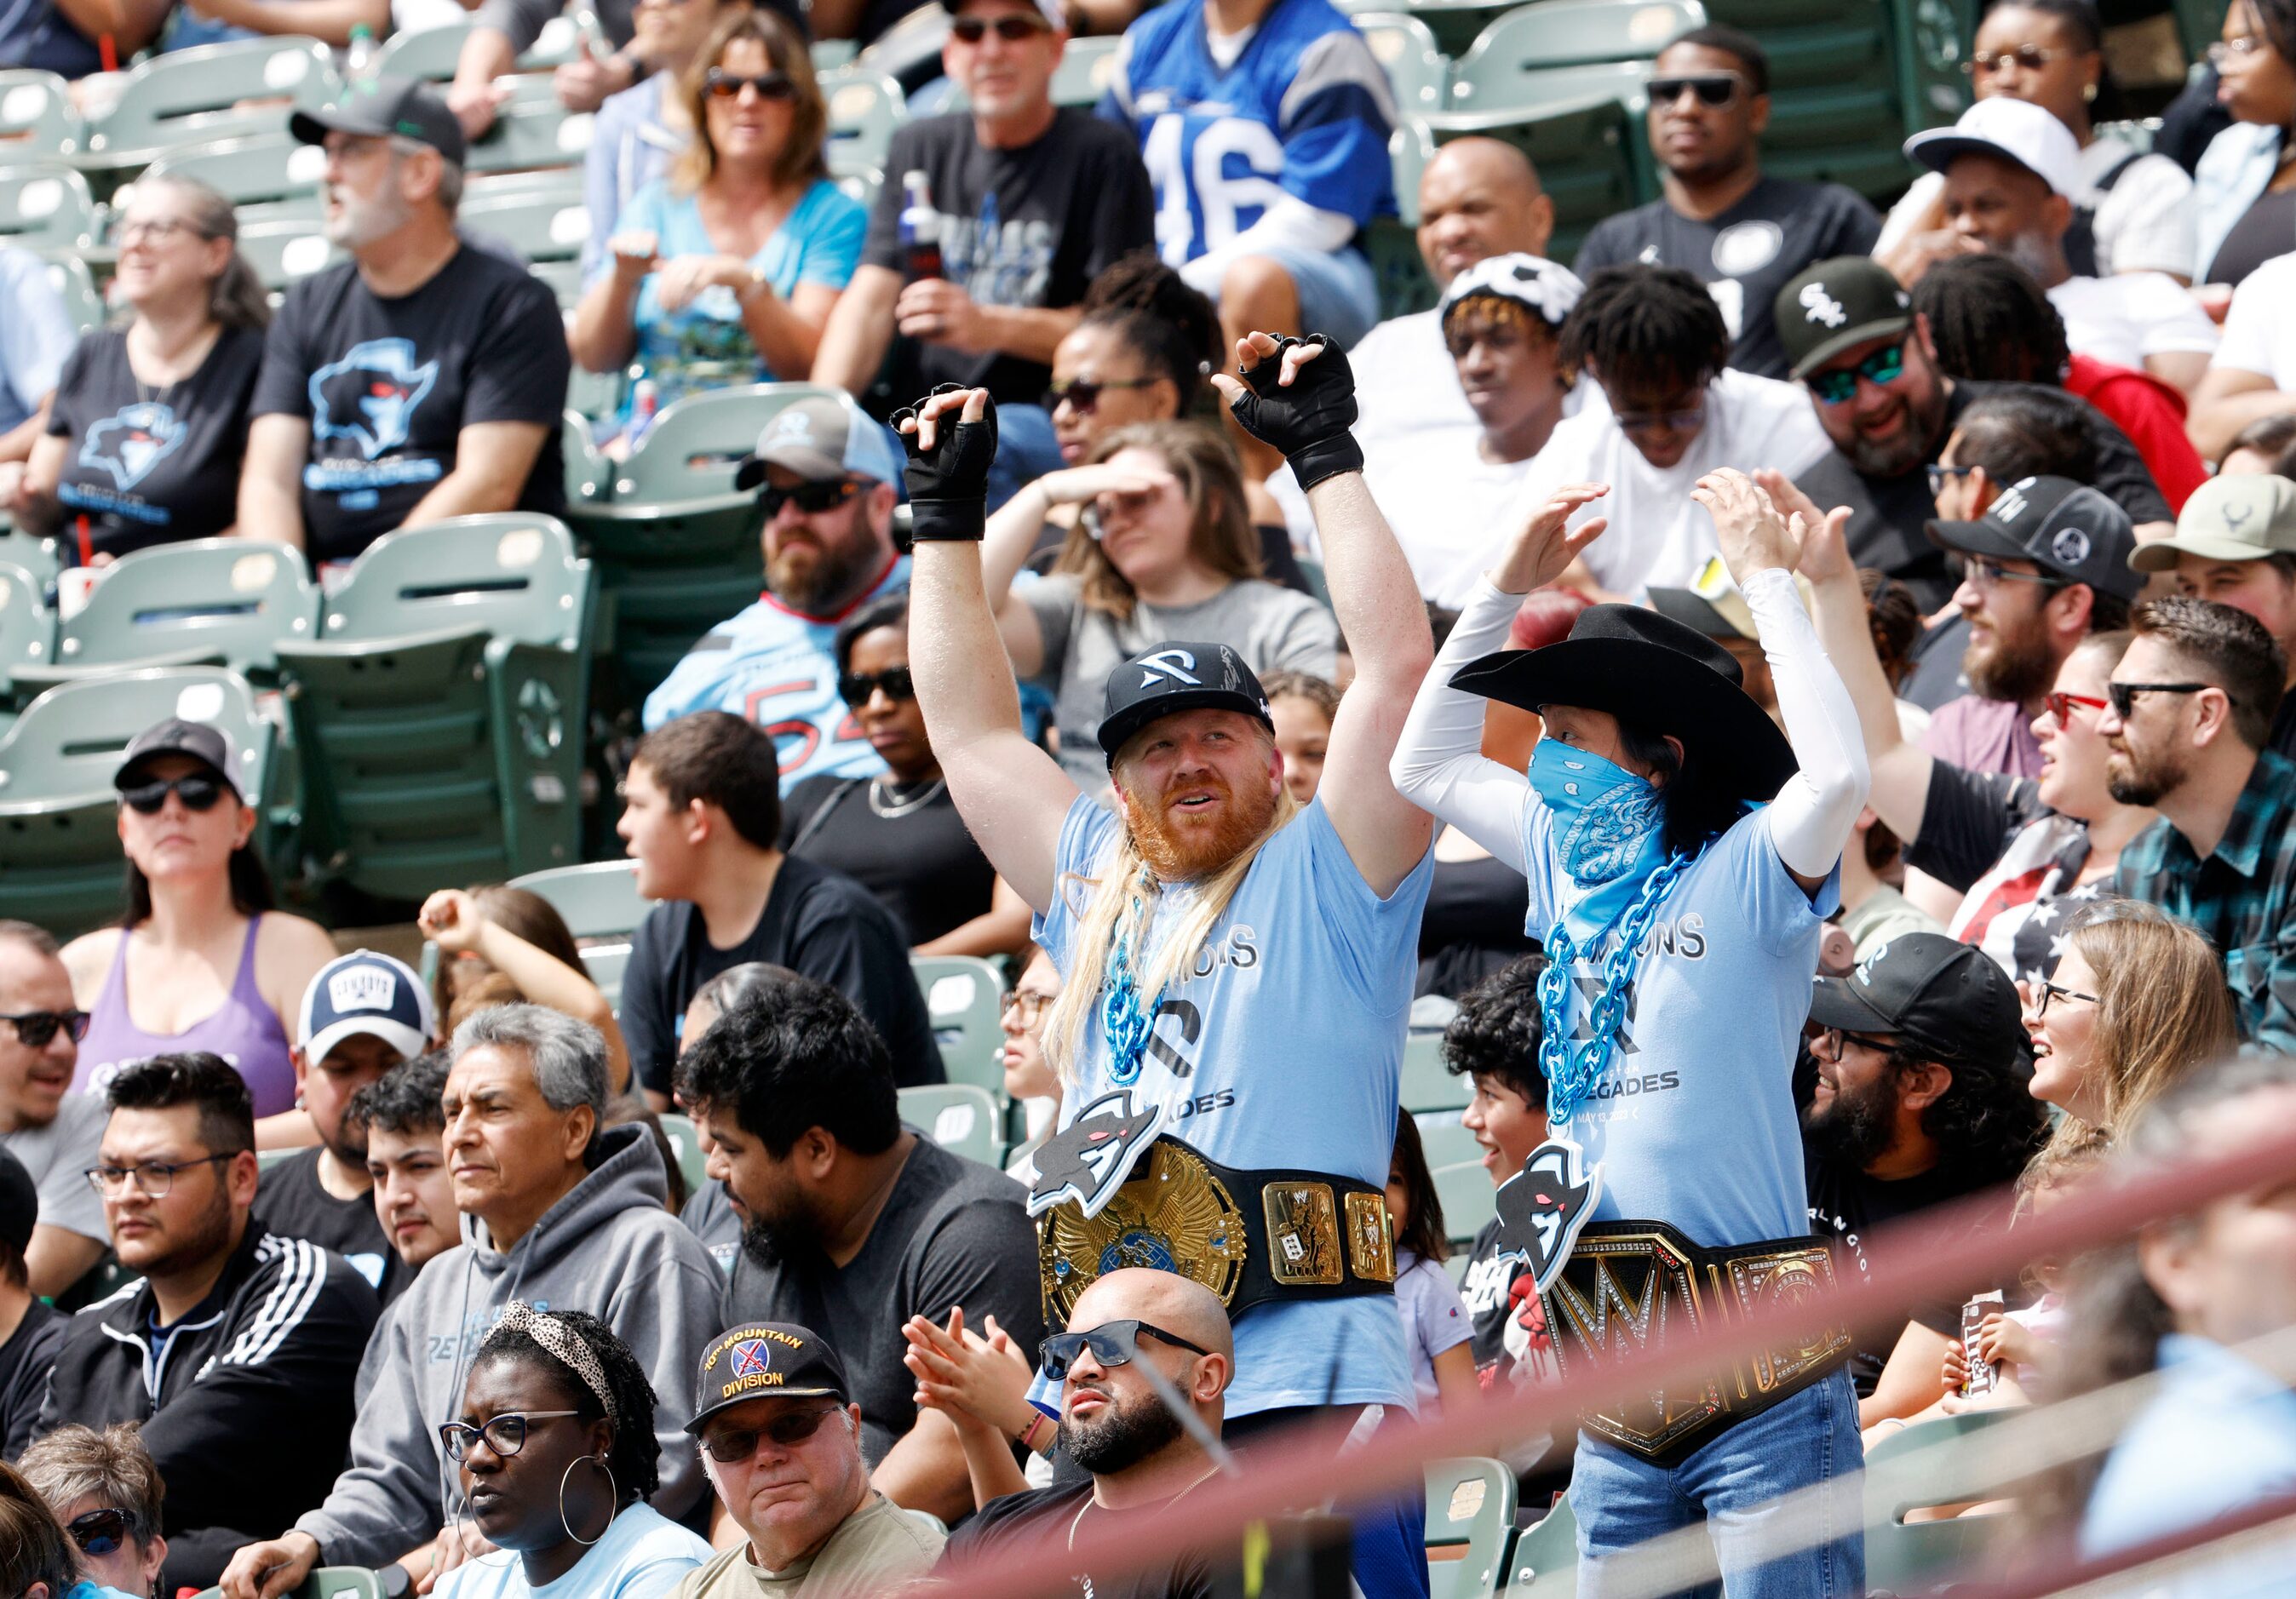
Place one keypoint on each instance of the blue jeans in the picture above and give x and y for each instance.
(1809, 1441)
(1339, 293)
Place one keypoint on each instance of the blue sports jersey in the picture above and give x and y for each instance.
(778, 668)
(1306, 110)
(1284, 1049)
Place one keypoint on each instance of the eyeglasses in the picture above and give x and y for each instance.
(1884, 366)
(1082, 394)
(1834, 1037)
(812, 498)
(2224, 50)
(1030, 1006)
(2031, 57)
(1112, 1343)
(728, 85)
(2061, 706)
(1941, 475)
(2124, 695)
(729, 1446)
(34, 1029)
(504, 1434)
(152, 1179)
(2047, 990)
(99, 1532)
(1986, 572)
(1713, 89)
(856, 687)
(156, 229)
(196, 791)
(1686, 420)
(1011, 29)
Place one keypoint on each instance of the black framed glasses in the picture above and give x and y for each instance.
(2046, 991)
(856, 687)
(1713, 89)
(1013, 31)
(1985, 63)
(1987, 572)
(99, 1532)
(1112, 1343)
(2123, 695)
(812, 498)
(1884, 366)
(1940, 476)
(196, 790)
(504, 1434)
(1082, 394)
(153, 1179)
(34, 1029)
(729, 1446)
(728, 85)
(1834, 1037)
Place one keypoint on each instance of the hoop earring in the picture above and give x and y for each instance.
(600, 1462)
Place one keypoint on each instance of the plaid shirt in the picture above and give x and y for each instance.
(2243, 896)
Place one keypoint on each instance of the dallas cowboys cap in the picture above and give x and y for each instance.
(1835, 305)
(363, 992)
(382, 106)
(2067, 529)
(202, 741)
(765, 1360)
(820, 440)
(1549, 290)
(2016, 131)
(2244, 517)
(1949, 999)
(1173, 678)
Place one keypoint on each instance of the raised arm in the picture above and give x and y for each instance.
(1013, 796)
(1303, 403)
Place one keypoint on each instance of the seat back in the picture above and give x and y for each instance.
(1573, 33)
(328, 1582)
(1087, 67)
(965, 995)
(37, 118)
(75, 285)
(533, 135)
(433, 54)
(865, 108)
(1427, 1084)
(1443, 1141)
(27, 628)
(1470, 1515)
(1907, 1470)
(686, 1144)
(512, 575)
(1581, 126)
(285, 247)
(545, 224)
(36, 556)
(267, 177)
(961, 1117)
(45, 206)
(212, 91)
(1839, 90)
(690, 451)
(1392, 242)
(230, 599)
(597, 901)
(1418, 71)
(1463, 1189)
(1545, 1564)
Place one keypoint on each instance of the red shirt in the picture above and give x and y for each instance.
(2152, 413)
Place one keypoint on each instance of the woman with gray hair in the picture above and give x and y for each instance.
(105, 1492)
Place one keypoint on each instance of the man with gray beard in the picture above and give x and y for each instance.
(419, 380)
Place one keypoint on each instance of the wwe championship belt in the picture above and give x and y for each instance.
(1632, 1284)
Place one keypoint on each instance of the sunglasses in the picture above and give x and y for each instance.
(2049, 990)
(857, 686)
(2123, 695)
(34, 1029)
(2061, 706)
(1013, 31)
(812, 498)
(196, 792)
(1884, 366)
(99, 1532)
(729, 1446)
(504, 1434)
(1112, 1343)
(728, 85)
(2031, 57)
(1713, 89)
(1082, 394)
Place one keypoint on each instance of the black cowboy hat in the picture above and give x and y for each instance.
(1653, 672)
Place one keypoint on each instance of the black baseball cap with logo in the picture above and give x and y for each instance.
(1836, 306)
(1948, 999)
(2066, 528)
(1173, 677)
(765, 1360)
(380, 106)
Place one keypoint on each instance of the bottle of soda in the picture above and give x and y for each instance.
(920, 227)
(645, 403)
(358, 58)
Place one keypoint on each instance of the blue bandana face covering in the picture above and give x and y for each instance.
(1610, 830)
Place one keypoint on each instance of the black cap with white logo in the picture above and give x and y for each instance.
(1175, 677)
(1836, 306)
(1949, 999)
(2067, 530)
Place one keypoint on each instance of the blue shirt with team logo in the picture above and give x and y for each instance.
(1304, 109)
(388, 385)
(1283, 1048)
(1695, 1121)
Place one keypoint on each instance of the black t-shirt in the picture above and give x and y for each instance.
(1021, 1523)
(711, 1217)
(1032, 226)
(1472, 924)
(1888, 514)
(952, 1232)
(24, 1362)
(2264, 230)
(37, 34)
(157, 468)
(1755, 248)
(923, 865)
(817, 922)
(1967, 821)
(291, 1201)
(387, 386)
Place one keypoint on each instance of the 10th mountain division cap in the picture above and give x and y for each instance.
(764, 1360)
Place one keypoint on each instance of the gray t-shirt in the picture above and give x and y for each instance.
(1275, 630)
(58, 1156)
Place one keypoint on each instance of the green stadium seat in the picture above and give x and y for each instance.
(432, 53)
(544, 225)
(60, 861)
(1544, 1562)
(829, 54)
(687, 1144)
(285, 248)
(961, 1117)
(1444, 1141)
(589, 475)
(596, 901)
(1578, 33)
(860, 180)
(45, 206)
(1837, 106)
(70, 278)
(965, 995)
(271, 178)
(1905, 1471)
(1392, 242)
(209, 602)
(865, 108)
(1927, 43)
(36, 116)
(328, 1582)
(213, 92)
(38, 556)
(1581, 125)
(441, 716)
(1086, 67)
(908, 52)
(1470, 1517)
(1418, 71)
(527, 137)
(1427, 1084)
(1464, 1190)
(27, 630)
(2199, 24)
(605, 963)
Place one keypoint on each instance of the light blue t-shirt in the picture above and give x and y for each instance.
(643, 1555)
(1290, 1039)
(1694, 1122)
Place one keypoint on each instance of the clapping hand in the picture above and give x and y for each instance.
(1544, 547)
(1747, 526)
(975, 1382)
(1824, 534)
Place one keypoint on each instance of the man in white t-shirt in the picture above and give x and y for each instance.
(2011, 172)
(1667, 412)
(53, 1132)
(2253, 375)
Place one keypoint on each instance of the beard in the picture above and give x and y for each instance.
(1178, 857)
(817, 580)
(1856, 1129)
(789, 1233)
(1121, 1437)
(1912, 445)
(204, 1240)
(2003, 664)
(2141, 777)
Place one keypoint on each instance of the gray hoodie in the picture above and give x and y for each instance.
(609, 1247)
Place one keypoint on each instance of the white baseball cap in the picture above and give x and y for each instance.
(2009, 130)
(1548, 289)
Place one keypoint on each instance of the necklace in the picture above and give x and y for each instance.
(1571, 1073)
(1124, 1022)
(1089, 1501)
(892, 804)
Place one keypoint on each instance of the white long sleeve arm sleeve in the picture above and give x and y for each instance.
(1811, 818)
(1439, 762)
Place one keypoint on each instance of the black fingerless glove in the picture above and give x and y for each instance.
(948, 487)
(1310, 420)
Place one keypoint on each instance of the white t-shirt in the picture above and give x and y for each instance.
(2144, 223)
(2124, 318)
(1657, 533)
(1406, 384)
(1434, 1319)
(1451, 510)
(2259, 335)
(58, 1156)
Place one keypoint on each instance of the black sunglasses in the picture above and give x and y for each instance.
(34, 1029)
(1713, 89)
(812, 498)
(1011, 29)
(728, 85)
(1112, 1343)
(2123, 695)
(196, 791)
(1082, 394)
(729, 1446)
(99, 1532)
(857, 686)
(504, 1434)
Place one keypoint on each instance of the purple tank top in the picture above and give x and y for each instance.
(244, 1030)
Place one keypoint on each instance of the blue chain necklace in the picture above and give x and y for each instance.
(1124, 1021)
(1571, 1074)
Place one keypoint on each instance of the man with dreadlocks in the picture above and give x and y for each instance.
(1238, 968)
(1681, 926)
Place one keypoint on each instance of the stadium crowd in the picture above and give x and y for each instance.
(1798, 702)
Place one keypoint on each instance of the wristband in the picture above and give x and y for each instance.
(1027, 1436)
